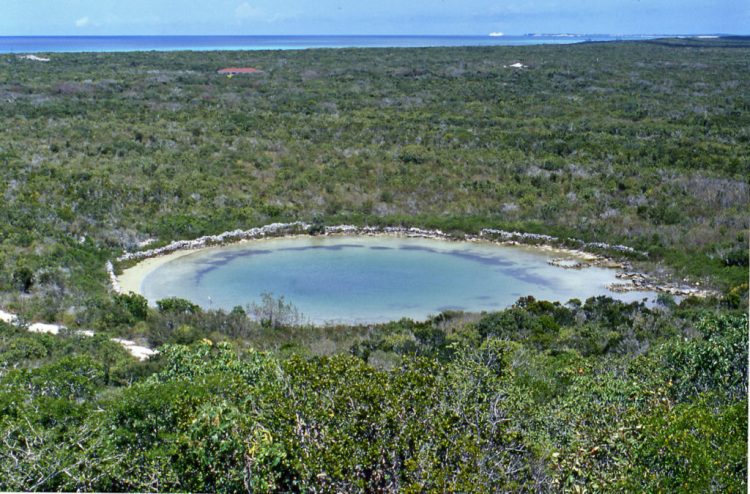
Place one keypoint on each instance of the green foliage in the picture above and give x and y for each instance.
(616, 142)
(134, 304)
(175, 305)
(638, 143)
(23, 349)
(693, 447)
(717, 359)
(23, 278)
(505, 412)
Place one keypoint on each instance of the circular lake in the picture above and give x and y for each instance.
(367, 279)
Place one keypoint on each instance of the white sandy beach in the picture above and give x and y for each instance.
(132, 278)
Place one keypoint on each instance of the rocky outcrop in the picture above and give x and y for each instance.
(282, 229)
(564, 263)
(113, 281)
(138, 351)
(537, 238)
(274, 229)
(7, 317)
(639, 282)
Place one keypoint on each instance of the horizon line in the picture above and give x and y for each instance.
(490, 35)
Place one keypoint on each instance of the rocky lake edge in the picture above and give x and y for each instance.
(579, 250)
(573, 258)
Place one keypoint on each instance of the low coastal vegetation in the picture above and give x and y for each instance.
(643, 144)
(587, 396)
(627, 143)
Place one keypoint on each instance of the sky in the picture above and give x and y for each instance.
(301, 17)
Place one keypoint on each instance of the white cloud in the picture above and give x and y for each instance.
(83, 22)
(247, 11)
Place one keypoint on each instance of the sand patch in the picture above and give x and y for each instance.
(132, 278)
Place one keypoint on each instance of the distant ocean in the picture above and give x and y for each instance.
(58, 44)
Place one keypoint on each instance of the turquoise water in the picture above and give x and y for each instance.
(50, 44)
(372, 279)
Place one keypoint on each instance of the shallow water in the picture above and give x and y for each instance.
(373, 279)
(51, 44)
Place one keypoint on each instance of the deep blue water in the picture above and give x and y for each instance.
(50, 44)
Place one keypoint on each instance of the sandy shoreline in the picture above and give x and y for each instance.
(132, 278)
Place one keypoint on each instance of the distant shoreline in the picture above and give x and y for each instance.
(117, 44)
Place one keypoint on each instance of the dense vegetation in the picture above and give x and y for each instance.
(635, 143)
(646, 144)
(541, 397)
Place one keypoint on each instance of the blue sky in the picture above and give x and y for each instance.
(253, 17)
